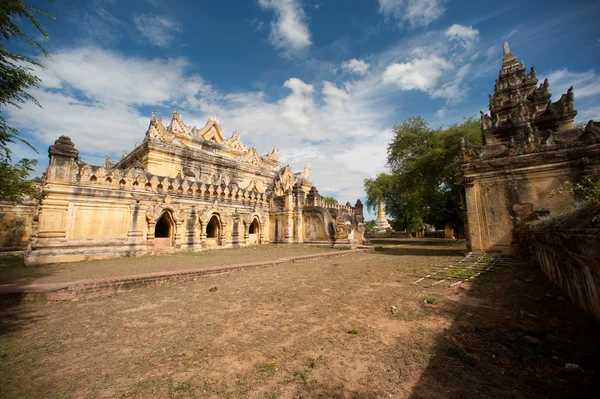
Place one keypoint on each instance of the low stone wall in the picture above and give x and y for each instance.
(15, 226)
(571, 259)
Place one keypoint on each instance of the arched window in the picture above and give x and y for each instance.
(212, 229)
(253, 227)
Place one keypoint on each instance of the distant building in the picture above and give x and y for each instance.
(181, 189)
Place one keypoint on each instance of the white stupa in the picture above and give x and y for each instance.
(381, 224)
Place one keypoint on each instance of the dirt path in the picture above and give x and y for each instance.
(315, 329)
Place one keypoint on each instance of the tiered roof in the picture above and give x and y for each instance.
(519, 109)
(212, 135)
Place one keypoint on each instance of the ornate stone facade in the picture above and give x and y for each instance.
(530, 151)
(181, 189)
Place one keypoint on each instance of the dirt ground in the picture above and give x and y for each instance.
(317, 329)
(13, 271)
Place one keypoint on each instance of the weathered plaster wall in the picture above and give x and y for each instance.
(16, 221)
(498, 202)
(571, 259)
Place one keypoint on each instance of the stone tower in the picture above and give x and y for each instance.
(530, 151)
(519, 109)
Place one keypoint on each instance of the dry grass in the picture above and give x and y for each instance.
(12, 270)
(282, 332)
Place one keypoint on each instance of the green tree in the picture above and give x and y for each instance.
(16, 77)
(329, 200)
(425, 181)
(370, 224)
(398, 203)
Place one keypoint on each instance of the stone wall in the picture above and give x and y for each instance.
(16, 220)
(568, 252)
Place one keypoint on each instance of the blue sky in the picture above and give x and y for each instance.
(323, 80)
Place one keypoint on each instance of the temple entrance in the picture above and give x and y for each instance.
(254, 232)
(163, 232)
(213, 231)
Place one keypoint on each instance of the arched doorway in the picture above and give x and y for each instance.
(213, 231)
(164, 231)
(254, 232)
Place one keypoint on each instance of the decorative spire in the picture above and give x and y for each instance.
(508, 58)
(153, 118)
(380, 211)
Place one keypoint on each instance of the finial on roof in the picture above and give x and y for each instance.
(153, 116)
(508, 58)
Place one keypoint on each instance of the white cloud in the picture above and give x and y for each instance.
(107, 76)
(93, 95)
(298, 106)
(159, 30)
(510, 34)
(335, 97)
(585, 84)
(586, 87)
(441, 113)
(414, 12)
(357, 66)
(95, 128)
(453, 91)
(585, 115)
(466, 36)
(420, 74)
(289, 31)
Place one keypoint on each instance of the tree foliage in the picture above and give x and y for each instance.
(16, 78)
(370, 224)
(425, 180)
(329, 200)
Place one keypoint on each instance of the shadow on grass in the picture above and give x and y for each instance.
(514, 335)
(420, 247)
(14, 272)
(445, 242)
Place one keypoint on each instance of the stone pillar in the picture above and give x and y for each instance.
(178, 228)
(299, 220)
(203, 225)
(53, 220)
(63, 161)
(135, 234)
(261, 236)
(299, 233)
(313, 198)
(235, 231)
(475, 236)
(223, 234)
(288, 217)
(150, 235)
